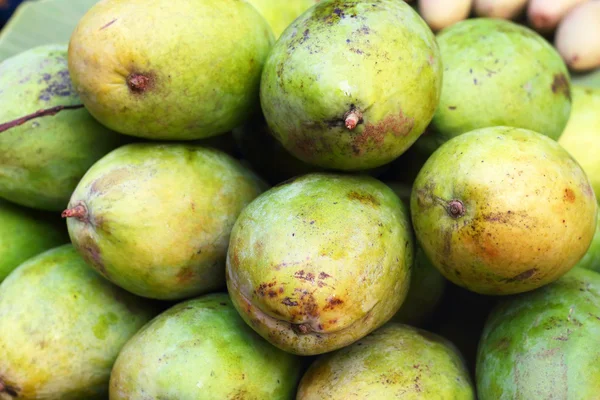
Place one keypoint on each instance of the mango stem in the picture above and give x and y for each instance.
(79, 212)
(40, 113)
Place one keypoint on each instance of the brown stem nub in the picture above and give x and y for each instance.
(456, 208)
(302, 329)
(79, 212)
(138, 83)
(40, 113)
(352, 119)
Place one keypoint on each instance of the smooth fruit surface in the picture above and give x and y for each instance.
(155, 218)
(503, 210)
(581, 137)
(280, 14)
(194, 74)
(23, 234)
(499, 73)
(202, 350)
(62, 327)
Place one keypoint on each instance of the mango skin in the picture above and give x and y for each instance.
(498, 73)
(320, 261)
(394, 362)
(427, 285)
(201, 349)
(280, 14)
(591, 259)
(529, 211)
(62, 327)
(544, 344)
(24, 234)
(336, 57)
(159, 217)
(42, 160)
(581, 137)
(203, 77)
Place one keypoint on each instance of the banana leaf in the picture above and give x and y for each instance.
(39, 22)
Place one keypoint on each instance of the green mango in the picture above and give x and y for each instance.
(503, 210)
(280, 14)
(498, 73)
(155, 218)
(351, 84)
(201, 349)
(176, 70)
(61, 328)
(544, 344)
(394, 362)
(23, 234)
(581, 137)
(47, 138)
(320, 261)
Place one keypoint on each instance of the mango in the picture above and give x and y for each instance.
(544, 344)
(503, 210)
(193, 74)
(155, 218)
(350, 85)
(62, 327)
(280, 14)
(201, 349)
(47, 138)
(320, 261)
(24, 234)
(395, 361)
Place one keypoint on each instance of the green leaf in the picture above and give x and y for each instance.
(40, 22)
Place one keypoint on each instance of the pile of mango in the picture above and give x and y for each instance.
(330, 199)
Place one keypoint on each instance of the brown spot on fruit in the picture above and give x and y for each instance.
(301, 329)
(569, 195)
(333, 303)
(365, 198)
(323, 275)
(139, 83)
(560, 85)
(108, 24)
(522, 276)
(272, 293)
(185, 274)
(10, 390)
(288, 302)
(90, 252)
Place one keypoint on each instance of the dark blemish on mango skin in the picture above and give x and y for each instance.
(10, 390)
(185, 275)
(560, 85)
(109, 24)
(522, 276)
(365, 198)
(60, 86)
(140, 83)
(569, 195)
(333, 303)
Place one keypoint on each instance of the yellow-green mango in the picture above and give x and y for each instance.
(503, 210)
(170, 69)
(498, 73)
(351, 84)
(320, 261)
(155, 218)
(47, 138)
(61, 328)
(581, 137)
(280, 14)
(394, 362)
(201, 349)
